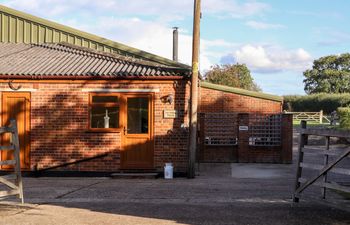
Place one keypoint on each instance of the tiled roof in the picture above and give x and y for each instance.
(64, 60)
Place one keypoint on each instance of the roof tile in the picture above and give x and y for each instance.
(66, 60)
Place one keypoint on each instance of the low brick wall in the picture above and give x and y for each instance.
(218, 154)
(244, 152)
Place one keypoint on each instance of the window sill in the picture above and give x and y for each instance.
(104, 130)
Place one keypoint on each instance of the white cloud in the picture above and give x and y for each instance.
(321, 14)
(331, 37)
(234, 9)
(270, 58)
(263, 26)
(153, 37)
(168, 10)
(146, 35)
(143, 24)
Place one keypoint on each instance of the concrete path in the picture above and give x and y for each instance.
(260, 171)
(221, 194)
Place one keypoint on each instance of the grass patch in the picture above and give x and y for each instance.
(311, 124)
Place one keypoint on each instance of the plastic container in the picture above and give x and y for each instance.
(168, 171)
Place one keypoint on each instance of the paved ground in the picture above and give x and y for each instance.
(221, 194)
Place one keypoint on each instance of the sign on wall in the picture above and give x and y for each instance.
(243, 128)
(170, 114)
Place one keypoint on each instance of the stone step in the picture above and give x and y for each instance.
(134, 175)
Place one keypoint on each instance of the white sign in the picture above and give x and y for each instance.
(243, 128)
(170, 114)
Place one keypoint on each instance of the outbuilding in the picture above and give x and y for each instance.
(73, 103)
(238, 125)
(88, 102)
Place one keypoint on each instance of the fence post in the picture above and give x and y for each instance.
(287, 138)
(302, 138)
(321, 116)
(243, 138)
(303, 125)
(325, 163)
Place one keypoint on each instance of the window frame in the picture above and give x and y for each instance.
(103, 104)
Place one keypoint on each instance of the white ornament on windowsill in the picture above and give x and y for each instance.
(106, 119)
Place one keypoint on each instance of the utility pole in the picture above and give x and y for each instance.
(194, 89)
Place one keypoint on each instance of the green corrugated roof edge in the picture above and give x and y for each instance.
(95, 38)
(241, 91)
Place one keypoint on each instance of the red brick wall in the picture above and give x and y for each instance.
(243, 152)
(218, 154)
(219, 101)
(268, 154)
(59, 126)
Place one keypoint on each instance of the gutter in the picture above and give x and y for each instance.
(63, 77)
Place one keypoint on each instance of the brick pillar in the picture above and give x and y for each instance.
(287, 138)
(243, 138)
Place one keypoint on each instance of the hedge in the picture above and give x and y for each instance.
(344, 117)
(316, 102)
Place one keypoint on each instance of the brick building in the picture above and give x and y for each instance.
(99, 105)
(219, 98)
(70, 110)
(237, 125)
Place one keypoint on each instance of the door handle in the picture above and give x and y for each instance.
(125, 130)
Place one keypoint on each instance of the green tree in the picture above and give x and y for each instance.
(329, 74)
(234, 75)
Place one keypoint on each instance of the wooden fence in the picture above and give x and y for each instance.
(334, 163)
(16, 187)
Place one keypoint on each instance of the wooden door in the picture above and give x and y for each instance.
(137, 150)
(16, 105)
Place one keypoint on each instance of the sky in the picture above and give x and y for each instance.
(276, 39)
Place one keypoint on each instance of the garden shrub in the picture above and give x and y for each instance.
(344, 117)
(316, 102)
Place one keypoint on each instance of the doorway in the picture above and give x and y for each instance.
(16, 105)
(137, 131)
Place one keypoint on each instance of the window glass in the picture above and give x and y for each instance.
(104, 117)
(104, 111)
(137, 115)
(104, 99)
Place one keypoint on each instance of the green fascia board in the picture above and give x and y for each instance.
(240, 91)
(112, 44)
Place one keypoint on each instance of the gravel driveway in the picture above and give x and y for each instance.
(221, 194)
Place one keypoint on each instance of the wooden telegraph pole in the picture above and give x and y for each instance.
(194, 89)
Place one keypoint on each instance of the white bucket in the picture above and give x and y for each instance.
(168, 171)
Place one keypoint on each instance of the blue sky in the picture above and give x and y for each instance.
(277, 39)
